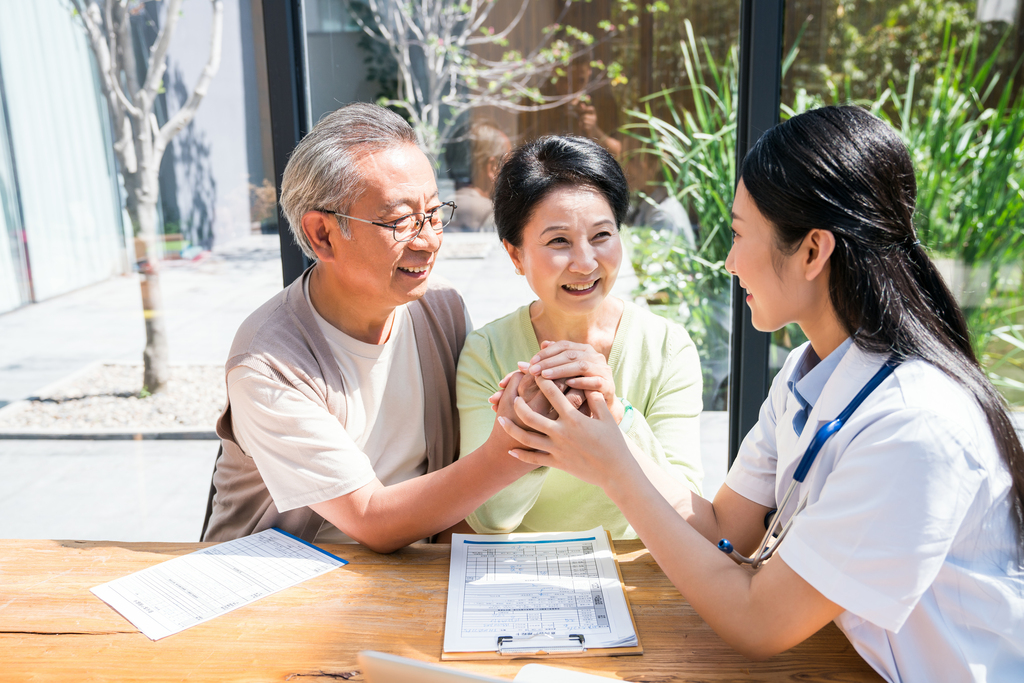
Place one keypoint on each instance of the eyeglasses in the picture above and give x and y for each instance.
(408, 227)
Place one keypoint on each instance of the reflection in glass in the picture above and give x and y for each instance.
(942, 73)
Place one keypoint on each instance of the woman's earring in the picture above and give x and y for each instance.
(518, 272)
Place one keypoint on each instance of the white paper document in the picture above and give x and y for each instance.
(188, 590)
(538, 590)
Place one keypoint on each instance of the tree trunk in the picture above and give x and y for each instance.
(154, 356)
(140, 142)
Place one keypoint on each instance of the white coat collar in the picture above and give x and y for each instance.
(849, 377)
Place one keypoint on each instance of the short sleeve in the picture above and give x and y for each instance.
(888, 512)
(753, 473)
(303, 453)
(477, 379)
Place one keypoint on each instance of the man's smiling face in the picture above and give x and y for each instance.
(372, 266)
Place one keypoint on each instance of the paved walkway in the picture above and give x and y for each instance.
(156, 490)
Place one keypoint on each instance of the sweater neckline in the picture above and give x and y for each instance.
(618, 341)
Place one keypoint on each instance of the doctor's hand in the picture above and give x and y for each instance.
(592, 449)
(580, 366)
(529, 391)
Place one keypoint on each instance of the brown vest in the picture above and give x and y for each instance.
(282, 340)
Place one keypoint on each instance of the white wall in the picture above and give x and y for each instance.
(71, 215)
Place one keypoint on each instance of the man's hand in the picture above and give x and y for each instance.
(586, 114)
(531, 393)
(528, 390)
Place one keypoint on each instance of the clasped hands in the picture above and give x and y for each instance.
(575, 369)
(566, 413)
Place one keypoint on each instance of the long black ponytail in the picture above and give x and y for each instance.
(845, 169)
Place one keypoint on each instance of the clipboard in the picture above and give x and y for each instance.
(570, 646)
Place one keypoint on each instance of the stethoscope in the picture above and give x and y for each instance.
(820, 437)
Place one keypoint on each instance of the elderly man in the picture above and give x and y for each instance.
(341, 422)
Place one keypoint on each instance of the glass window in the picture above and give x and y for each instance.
(655, 84)
(15, 289)
(942, 73)
(78, 341)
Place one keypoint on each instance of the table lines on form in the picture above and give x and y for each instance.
(526, 589)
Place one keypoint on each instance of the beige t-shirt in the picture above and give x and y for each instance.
(305, 454)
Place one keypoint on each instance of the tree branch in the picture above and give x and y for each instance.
(497, 36)
(158, 55)
(110, 82)
(184, 115)
(119, 106)
(122, 47)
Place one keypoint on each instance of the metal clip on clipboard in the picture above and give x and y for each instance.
(541, 643)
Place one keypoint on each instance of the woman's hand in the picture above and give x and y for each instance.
(580, 366)
(592, 449)
(529, 391)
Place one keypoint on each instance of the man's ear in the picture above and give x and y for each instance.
(513, 253)
(818, 247)
(321, 234)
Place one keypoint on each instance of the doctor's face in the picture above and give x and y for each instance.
(775, 290)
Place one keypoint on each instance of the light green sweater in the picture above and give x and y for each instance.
(655, 367)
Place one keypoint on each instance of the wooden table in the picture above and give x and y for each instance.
(53, 628)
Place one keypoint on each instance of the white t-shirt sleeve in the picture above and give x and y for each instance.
(303, 453)
(877, 536)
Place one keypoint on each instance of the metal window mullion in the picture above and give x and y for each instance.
(285, 40)
(760, 84)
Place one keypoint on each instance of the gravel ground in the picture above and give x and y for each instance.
(106, 397)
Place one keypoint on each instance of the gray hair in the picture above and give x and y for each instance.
(322, 172)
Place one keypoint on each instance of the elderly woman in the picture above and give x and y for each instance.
(558, 205)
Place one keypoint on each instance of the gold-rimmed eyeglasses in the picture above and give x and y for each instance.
(408, 227)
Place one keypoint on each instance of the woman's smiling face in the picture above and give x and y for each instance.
(776, 291)
(570, 252)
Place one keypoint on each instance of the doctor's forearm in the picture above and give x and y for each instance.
(757, 614)
(700, 513)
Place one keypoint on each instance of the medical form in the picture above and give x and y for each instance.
(539, 591)
(188, 590)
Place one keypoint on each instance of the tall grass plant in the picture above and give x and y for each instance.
(969, 158)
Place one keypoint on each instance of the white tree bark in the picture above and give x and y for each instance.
(141, 142)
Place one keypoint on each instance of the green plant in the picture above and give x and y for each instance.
(696, 150)
(969, 157)
(969, 160)
(967, 143)
(696, 155)
(684, 288)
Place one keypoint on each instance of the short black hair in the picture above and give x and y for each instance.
(536, 168)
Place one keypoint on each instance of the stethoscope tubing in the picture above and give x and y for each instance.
(764, 551)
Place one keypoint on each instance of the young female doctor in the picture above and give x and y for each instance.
(904, 522)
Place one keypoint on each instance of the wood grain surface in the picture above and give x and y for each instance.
(53, 629)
